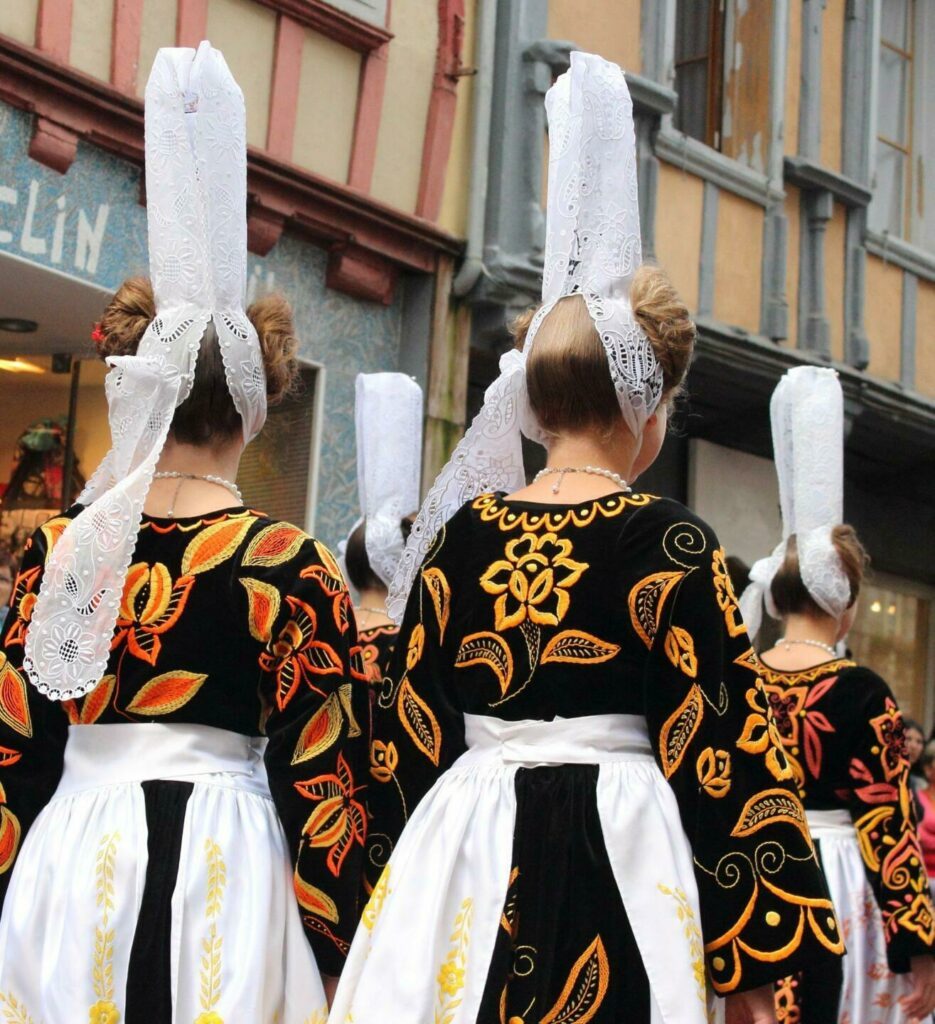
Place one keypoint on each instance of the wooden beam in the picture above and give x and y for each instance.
(125, 48)
(53, 29)
(191, 25)
(335, 24)
(284, 94)
(367, 122)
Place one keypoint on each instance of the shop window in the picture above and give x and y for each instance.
(892, 635)
(722, 51)
(275, 471)
(905, 105)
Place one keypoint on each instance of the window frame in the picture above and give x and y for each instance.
(713, 56)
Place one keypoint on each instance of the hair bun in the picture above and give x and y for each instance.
(128, 314)
(271, 316)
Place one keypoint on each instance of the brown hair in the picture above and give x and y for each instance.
(359, 570)
(569, 386)
(789, 592)
(208, 413)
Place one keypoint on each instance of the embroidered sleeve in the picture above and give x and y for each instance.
(33, 730)
(881, 805)
(765, 909)
(315, 694)
(418, 731)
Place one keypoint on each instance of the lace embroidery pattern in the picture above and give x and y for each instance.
(196, 177)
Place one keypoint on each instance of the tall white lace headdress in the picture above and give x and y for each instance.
(196, 190)
(593, 248)
(807, 414)
(388, 414)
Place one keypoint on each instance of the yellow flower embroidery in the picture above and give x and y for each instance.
(450, 978)
(377, 899)
(104, 1012)
(533, 581)
(760, 736)
(692, 933)
(208, 1018)
(713, 770)
(416, 646)
(383, 760)
(451, 973)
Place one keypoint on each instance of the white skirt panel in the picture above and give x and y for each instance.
(239, 950)
(424, 946)
(871, 992)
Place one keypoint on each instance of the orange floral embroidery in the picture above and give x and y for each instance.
(151, 605)
(296, 655)
(338, 821)
(14, 702)
(22, 604)
(533, 581)
(760, 736)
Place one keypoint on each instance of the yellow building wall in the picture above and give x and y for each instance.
(157, 30)
(328, 86)
(834, 279)
(18, 19)
(678, 230)
(246, 33)
(832, 82)
(793, 77)
(454, 211)
(608, 27)
(793, 198)
(398, 166)
(92, 26)
(738, 262)
(882, 316)
(925, 338)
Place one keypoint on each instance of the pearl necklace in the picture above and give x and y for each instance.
(811, 643)
(174, 474)
(592, 470)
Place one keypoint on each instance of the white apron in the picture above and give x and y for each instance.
(442, 892)
(239, 951)
(871, 992)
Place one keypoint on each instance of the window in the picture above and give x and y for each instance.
(722, 55)
(275, 469)
(699, 68)
(893, 178)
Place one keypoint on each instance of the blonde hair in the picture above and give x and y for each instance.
(570, 388)
(788, 591)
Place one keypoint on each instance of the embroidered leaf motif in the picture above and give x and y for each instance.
(313, 899)
(490, 650)
(418, 720)
(646, 602)
(321, 731)
(52, 530)
(263, 602)
(9, 838)
(322, 658)
(441, 597)
(166, 693)
(330, 563)
(8, 757)
(772, 805)
(571, 646)
(14, 702)
(274, 545)
(749, 660)
(678, 731)
(585, 988)
(344, 695)
(214, 545)
(95, 704)
(680, 650)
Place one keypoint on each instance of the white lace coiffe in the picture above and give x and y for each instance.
(196, 190)
(388, 415)
(593, 249)
(807, 413)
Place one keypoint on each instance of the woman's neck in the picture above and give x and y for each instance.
(371, 608)
(801, 635)
(187, 492)
(615, 453)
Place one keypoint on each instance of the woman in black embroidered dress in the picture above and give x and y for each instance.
(232, 626)
(843, 735)
(566, 891)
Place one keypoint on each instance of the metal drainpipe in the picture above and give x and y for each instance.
(473, 266)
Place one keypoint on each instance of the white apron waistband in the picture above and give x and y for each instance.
(101, 755)
(592, 739)
(833, 824)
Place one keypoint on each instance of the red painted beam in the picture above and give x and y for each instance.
(439, 126)
(343, 28)
(125, 47)
(191, 25)
(284, 94)
(367, 122)
(53, 29)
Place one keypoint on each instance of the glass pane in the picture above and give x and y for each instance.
(888, 195)
(895, 22)
(891, 636)
(691, 112)
(692, 29)
(893, 108)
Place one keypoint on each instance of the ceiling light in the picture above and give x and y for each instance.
(19, 366)
(18, 325)
(876, 607)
